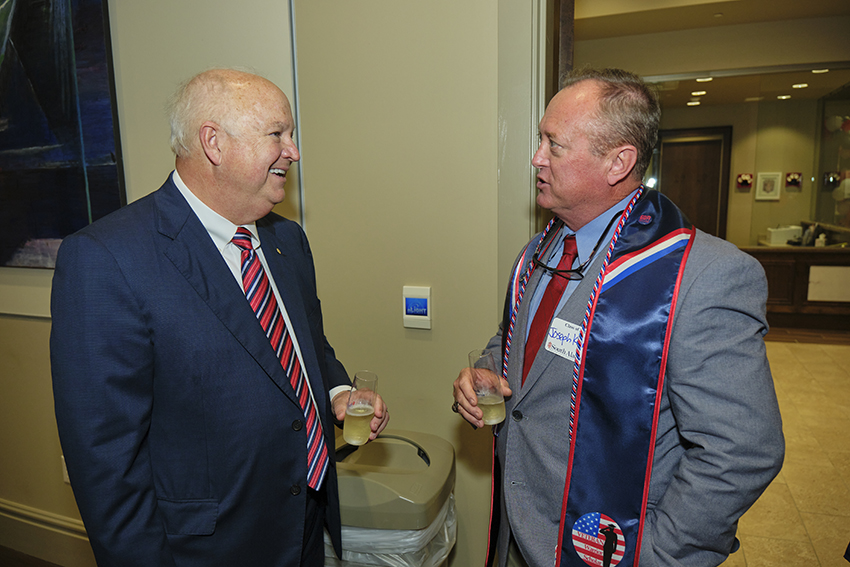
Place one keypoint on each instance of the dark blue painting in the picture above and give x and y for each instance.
(60, 164)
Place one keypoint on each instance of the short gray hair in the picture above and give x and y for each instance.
(628, 112)
(204, 97)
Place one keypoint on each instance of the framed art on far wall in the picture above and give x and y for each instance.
(60, 158)
(767, 186)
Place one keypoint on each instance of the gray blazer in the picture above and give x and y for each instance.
(719, 441)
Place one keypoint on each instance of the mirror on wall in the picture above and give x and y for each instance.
(780, 146)
(832, 204)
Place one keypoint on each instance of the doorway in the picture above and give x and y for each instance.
(694, 174)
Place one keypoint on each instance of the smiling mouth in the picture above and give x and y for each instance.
(279, 172)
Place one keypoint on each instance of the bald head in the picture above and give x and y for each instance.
(224, 96)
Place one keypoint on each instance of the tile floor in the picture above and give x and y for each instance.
(803, 518)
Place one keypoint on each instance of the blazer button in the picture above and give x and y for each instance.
(297, 425)
(517, 415)
(295, 490)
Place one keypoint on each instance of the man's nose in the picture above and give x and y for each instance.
(290, 152)
(538, 160)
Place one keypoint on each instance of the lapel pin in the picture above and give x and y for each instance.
(278, 250)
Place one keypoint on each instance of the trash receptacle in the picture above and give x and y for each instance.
(396, 501)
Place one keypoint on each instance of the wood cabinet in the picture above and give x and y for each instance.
(789, 301)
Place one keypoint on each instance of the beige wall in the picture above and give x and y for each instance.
(787, 141)
(37, 510)
(400, 144)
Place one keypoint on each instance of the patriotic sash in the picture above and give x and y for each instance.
(516, 288)
(616, 383)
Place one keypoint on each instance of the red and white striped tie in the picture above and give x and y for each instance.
(263, 302)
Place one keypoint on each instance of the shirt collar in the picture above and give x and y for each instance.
(219, 228)
(588, 235)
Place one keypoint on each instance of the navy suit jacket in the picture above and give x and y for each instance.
(184, 442)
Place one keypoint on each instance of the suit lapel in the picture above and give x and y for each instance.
(193, 253)
(516, 362)
(284, 269)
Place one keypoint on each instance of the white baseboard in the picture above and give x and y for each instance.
(45, 535)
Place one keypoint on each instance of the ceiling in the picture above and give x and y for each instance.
(677, 92)
(600, 19)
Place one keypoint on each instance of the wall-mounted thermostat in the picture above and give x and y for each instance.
(417, 307)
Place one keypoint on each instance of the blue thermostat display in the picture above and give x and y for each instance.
(416, 306)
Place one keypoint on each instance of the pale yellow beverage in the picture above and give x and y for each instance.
(493, 407)
(356, 428)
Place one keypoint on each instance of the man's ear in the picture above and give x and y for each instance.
(623, 160)
(208, 136)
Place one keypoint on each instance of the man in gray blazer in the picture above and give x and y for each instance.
(642, 421)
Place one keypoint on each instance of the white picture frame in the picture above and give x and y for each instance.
(768, 186)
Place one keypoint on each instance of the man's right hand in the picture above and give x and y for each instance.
(466, 400)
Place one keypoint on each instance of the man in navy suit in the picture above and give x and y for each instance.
(184, 438)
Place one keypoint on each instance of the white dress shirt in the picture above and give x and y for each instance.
(221, 232)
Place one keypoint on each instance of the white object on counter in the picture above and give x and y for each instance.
(780, 236)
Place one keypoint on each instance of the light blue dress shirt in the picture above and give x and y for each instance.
(586, 239)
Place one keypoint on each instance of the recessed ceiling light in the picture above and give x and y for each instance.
(693, 103)
(800, 85)
(705, 79)
(820, 71)
(718, 15)
(698, 93)
(784, 97)
(754, 99)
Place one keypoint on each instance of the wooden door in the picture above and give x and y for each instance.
(694, 174)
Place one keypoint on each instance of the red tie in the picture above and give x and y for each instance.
(546, 309)
(263, 302)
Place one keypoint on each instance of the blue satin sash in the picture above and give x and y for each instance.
(617, 384)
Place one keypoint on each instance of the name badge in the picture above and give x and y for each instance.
(562, 339)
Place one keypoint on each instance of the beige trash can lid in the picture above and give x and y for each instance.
(399, 481)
